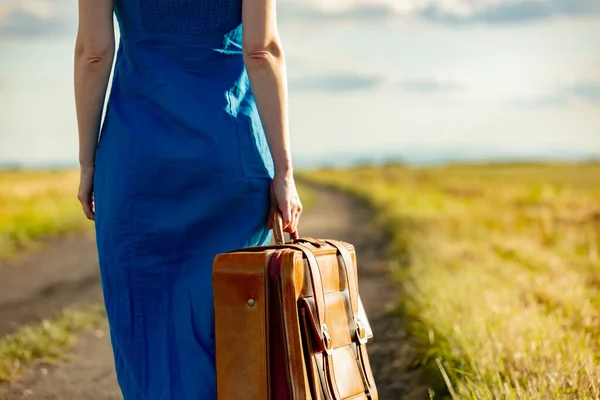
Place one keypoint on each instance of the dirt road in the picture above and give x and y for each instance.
(66, 273)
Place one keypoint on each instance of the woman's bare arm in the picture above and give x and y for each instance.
(94, 52)
(265, 63)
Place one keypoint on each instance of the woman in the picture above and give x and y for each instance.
(193, 159)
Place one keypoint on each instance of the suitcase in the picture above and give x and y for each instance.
(289, 322)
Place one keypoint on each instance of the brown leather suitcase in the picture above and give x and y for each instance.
(289, 323)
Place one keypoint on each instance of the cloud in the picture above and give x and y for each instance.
(545, 101)
(420, 85)
(35, 18)
(42, 17)
(515, 11)
(23, 24)
(357, 13)
(438, 11)
(588, 92)
(348, 82)
(335, 83)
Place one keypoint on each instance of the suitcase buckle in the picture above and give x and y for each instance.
(361, 331)
(327, 342)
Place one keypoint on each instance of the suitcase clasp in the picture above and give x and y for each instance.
(361, 331)
(327, 342)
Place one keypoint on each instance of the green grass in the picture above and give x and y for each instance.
(500, 272)
(46, 342)
(37, 204)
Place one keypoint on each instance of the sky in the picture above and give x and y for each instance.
(422, 80)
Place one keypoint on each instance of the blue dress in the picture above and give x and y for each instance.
(182, 173)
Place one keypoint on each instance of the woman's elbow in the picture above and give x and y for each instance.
(95, 54)
(259, 55)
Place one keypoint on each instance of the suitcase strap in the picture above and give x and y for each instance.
(359, 328)
(319, 294)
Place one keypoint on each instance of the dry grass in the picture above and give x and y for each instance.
(500, 269)
(307, 196)
(37, 204)
(45, 343)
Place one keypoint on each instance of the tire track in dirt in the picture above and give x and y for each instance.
(89, 373)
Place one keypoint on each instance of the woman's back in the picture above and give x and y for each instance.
(197, 36)
(180, 17)
(185, 59)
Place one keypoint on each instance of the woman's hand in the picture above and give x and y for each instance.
(86, 192)
(284, 198)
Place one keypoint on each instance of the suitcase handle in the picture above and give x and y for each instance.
(278, 230)
(294, 237)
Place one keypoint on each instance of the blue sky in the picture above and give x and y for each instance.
(470, 78)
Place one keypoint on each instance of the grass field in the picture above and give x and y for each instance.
(37, 204)
(500, 270)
